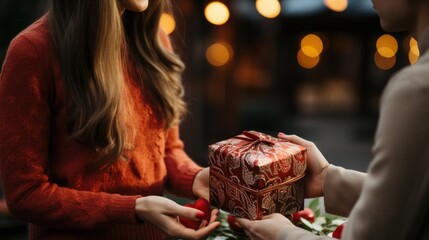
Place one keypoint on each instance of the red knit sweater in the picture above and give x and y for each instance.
(44, 173)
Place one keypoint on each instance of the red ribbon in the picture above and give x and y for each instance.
(256, 138)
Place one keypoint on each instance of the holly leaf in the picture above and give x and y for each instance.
(317, 213)
(314, 204)
(308, 225)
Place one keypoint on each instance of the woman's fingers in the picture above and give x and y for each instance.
(203, 224)
(164, 213)
(188, 233)
(174, 209)
(214, 215)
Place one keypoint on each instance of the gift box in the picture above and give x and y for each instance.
(255, 174)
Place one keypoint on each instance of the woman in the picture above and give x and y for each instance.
(391, 202)
(90, 102)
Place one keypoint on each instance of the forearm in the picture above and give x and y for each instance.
(181, 175)
(181, 169)
(341, 189)
(63, 208)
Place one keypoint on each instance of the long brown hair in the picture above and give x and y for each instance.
(93, 40)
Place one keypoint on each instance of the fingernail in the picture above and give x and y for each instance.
(200, 215)
(282, 134)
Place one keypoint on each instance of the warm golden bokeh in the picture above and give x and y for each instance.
(312, 45)
(387, 46)
(216, 13)
(412, 57)
(268, 8)
(414, 47)
(305, 61)
(218, 54)
(411, 47)
(384, 63)
(336, 5)
(167, 23)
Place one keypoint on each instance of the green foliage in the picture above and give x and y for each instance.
(224, 232)
(323, 225)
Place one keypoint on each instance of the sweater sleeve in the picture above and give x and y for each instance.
(394, 199)
(26, 96)
(181, 170)
(342, 189)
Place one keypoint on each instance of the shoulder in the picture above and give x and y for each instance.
(30, 60)
(410, 83)
(33, 42)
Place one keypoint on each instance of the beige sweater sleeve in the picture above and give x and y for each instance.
(391, 202)
(342, 188)
(394, 198)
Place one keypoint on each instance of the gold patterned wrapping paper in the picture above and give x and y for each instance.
(255, 174)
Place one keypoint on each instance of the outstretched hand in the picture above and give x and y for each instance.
(316, 166)
(164, 212)
(270, 227)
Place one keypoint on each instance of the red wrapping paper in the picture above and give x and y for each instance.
(255, 174)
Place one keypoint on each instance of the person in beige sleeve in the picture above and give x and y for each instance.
(392, 200)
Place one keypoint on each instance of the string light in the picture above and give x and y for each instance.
(336, 5)
(167, 23)
(384, 63)
(414, 47)
(216, 13)
(412, 57)
(268, 8)
(387, 46)
(414, 53)
(307, 62)
(219, 54)
(312, 45)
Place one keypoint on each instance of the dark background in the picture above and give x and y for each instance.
(263, 87)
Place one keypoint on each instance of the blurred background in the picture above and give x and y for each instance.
(315, 68)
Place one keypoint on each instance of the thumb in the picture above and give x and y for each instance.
(244, 222)
(294, 139)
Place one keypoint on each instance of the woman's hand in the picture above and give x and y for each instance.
(163, 213)
(268, 228)
(200, 188)
(316, 166)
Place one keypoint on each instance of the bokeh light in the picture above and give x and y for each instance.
(307, 62)
(387, 46)
(167, 23)
(312, 45)
(219, 54)
(384, 63)
(268, 8)
(414, 53)
(412, 57)
(414, 47)
(336, 5)
(216, 13)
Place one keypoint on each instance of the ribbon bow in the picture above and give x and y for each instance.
(257, 137)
